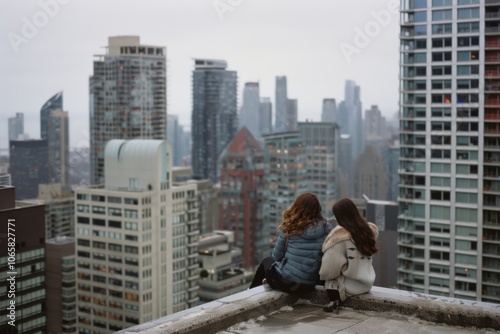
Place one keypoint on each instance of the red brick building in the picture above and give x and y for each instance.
(242, 177)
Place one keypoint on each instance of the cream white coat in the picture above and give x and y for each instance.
(343, 267)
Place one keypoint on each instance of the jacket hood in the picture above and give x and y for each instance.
(315, 231)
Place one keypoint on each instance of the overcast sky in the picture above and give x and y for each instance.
(260, 39)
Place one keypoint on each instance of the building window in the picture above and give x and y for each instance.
(467, 2)
(98, 209)
(98, 222)
(467, 84)
(468, 55)
(466, 27)
(466, 169)
(468, 13)
(441, 28)
(113, 199)
(82, 208)
(440, 181)
(468, 41)
(441, 70)
(467, 69)
(441, 56)
(114, 224)
(115, 212)
(467, 126)
(441, 15)
(440, 212)
(83, 220)
(466, 198)
(466, 183)
(441, 84)
(441, 3)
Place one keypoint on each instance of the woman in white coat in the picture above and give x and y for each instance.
(346, 266)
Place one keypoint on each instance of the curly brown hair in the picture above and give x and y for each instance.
(348, 216)
(304, 211)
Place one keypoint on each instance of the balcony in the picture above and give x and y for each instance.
(262, 311)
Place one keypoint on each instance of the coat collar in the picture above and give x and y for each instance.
(339, 234)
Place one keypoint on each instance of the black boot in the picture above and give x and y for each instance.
(334, 304)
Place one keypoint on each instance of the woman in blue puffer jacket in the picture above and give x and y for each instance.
(296, 257)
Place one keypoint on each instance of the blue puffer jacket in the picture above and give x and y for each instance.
(300, 260)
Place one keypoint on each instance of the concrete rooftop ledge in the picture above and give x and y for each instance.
(251, 304)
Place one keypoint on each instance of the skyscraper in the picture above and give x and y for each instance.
(370, 178)
(176, 139)
(375, 125)
(265, 116)
(24, 222)
(249, 116)
(300, 161)
(127, 97)
(58, 146)
(16, 126)
(321, 145)
(242, 179)
(54, 103)
(29, 166)
(214, 117)
(60, 284)
(291, 115)
(352, 106)
(449, 164)
(329, 112)
(281, 104)
(137, 240)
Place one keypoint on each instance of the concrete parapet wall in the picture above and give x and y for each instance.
(438, 309)
(251, 304)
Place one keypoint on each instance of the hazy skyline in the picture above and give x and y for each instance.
(258, 39)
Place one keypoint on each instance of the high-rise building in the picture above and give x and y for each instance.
(29, 166)
(350, 117)
(281, 98)
(58, 146)
(384, 214)
(208, 198)
(54, 103)
(347, 177)
(242, 178)
(265, 116)
(371, 179)
(329, 112)
(342, 118)
(22, 290)
(59, 210)
(449, 164)
(137, 240)
(300, 161)
(61, 288)
(375, 125)
(214, 118)
(127, 97)
(321, 143)
(16, 126)
(291, 115)
(250, 115)
(393, 171)
(283, 163)
(175, 139)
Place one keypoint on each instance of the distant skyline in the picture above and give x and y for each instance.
(317, 45)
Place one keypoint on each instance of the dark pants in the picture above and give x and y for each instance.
(275, 280)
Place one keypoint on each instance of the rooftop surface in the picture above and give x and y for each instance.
(261, 310)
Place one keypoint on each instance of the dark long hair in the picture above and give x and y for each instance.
(348, 217)
(304, 211)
